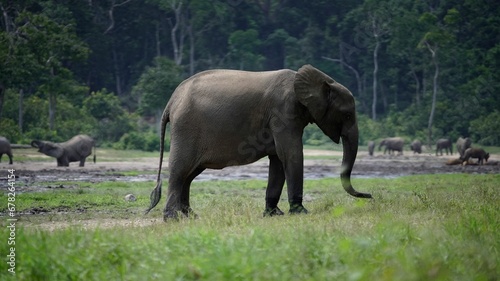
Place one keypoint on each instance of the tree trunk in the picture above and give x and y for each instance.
(158, 42)
(191, 50)
(2, 94)
(116, 67)
(21, 110)
(434, 92)
(52, 110)
(177, 27)
(417, 86)
(375, 72)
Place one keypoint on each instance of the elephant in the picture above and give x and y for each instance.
(76, 149)
(392, 144)
(444, 144)
(462, 145)
(416, 146)
(371, 147)
(220, 118)
(5, 149)
(478, 153)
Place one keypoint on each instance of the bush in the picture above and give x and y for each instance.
(10, 130)
(147, 141)
(486, 130)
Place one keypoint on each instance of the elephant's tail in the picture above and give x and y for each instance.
(95, 150)
(156, 193)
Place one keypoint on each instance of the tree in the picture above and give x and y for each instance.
(243, 47)
(113, 120)
(155, 87)
(437, 36)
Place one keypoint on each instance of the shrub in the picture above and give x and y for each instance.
(486, 130)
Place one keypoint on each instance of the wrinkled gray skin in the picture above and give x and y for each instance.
(371, 147)
(444, 144)
(478, 153)
(392, 144)
(223, 118)
(416, 147)
(76, 149)
(462, 145)
(5, 149)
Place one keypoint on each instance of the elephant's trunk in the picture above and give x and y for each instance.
(350, 144)
(35, 144)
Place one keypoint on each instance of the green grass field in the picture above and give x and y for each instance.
(427, 227)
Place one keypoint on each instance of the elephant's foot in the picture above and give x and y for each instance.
(269, 212)
(297, 209)
(175, 214)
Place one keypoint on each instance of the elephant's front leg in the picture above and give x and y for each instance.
(62, 162)
(276, 180)
(292, 157)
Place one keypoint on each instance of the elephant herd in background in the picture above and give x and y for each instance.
(77, 149)
(463, 146)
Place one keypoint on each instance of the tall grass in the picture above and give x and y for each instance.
(429, 227)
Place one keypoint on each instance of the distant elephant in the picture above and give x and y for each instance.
(478, 153)
(462, 145)
(76, 149)
(444, 144)
(392, 144)
(371, 147)
(416, 146)
(5, 149)
(223, 118)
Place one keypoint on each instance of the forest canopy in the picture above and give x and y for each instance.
(423, 69)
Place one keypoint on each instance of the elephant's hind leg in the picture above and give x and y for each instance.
(182, 173)
(185, 206)
(275, 183)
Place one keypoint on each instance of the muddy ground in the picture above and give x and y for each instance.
(37, 176)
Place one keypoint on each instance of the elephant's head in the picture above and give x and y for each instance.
(48, 148)
(332, 108)
(382, 143)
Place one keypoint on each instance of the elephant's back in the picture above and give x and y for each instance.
(219, 94)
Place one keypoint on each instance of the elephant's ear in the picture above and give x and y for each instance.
(312, 88)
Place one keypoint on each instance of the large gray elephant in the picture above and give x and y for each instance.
(462, 145)
(76, 149)
(416, 146)
(223, 118)
(5, 149)
(371, 147)
(444, 144)
(392, 144)
(478, 153)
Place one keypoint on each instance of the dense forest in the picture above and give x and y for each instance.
(422, 69)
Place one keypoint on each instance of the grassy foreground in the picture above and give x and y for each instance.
(428, 227)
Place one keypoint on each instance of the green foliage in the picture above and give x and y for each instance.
(103, 105)
(10, 130)
(369, 130)
(147, 141)
(60, 51)
(487, 129)
(243, 46)
(156, 85)
(314, 136)
(112, 120)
